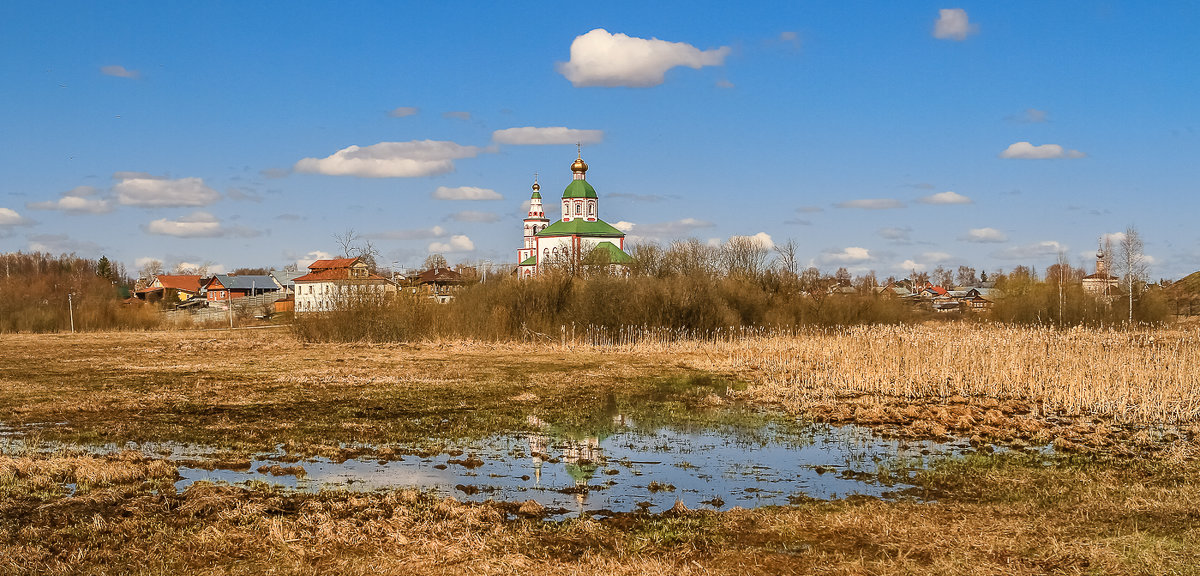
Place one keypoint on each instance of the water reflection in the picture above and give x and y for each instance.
(613, 464)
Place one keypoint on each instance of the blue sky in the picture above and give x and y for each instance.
(878, 136)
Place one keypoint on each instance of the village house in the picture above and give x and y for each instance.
(332, 284)
(222, 287)
(171, 287)
(438, 283)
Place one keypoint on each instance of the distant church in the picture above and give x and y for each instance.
(1102, 283)
(579, 237)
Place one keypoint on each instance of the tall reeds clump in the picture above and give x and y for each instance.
(1145, 375)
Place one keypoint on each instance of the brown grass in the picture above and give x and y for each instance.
(998, 514)
(994, 516)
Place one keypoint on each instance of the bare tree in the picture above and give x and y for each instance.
(199, 270)
(1063, 265)
(1132, 263)
(435, 261)
(691, 258)
(943, 277)
(647, 259)
(743, 256)
(966, 276)
(148, 271)
(353, 245)
(785, 258)
(842, 277)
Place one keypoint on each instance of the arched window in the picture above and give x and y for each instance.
(546, 254)
(592, 208)
(578, 208)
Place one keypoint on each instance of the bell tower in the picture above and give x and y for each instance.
(535, 221)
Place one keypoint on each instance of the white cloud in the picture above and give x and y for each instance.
(624, 226)
(62, 244)
(78, 199)
(984, 235)
(119, 71)
(457, 243)
(670, 230)
(762, 239)
(412, 234)
(1114, 238)
(871, 204)
(458, 114)
(195, 225)
(936, 257)
(533, 136)
(602, 59)
(909, 265)
(9, 217)
(1027, 151)
(474, 216)
(722, 83)
(850, 255)
(208, 267)
(953, 24)
(303, 262)
(403, 111)
(411, 159)
(946, 197)
(138, 189)
(897, 234)
(466, 193)
(1030, 251)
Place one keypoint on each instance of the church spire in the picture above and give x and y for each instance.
(579, 168)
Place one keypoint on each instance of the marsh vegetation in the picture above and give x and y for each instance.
(1077, 451)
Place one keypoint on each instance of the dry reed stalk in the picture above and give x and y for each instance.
(1140, 376)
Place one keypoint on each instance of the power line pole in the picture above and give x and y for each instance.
(71, 309)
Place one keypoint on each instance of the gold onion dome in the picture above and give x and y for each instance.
(579, 165)
(536, 186)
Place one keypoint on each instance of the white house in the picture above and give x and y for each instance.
(332, 284)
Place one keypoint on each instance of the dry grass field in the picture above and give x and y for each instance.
(1119, 495)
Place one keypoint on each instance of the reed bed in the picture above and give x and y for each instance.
(1131, 376)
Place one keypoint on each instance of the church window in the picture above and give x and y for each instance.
(578, 209)
(591, 208)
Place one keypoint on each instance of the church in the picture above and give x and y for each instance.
(576, 239)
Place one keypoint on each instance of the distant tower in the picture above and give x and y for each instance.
(579, 199)
(535, 221)
(1101, 261)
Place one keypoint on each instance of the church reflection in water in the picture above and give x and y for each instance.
(578, 450)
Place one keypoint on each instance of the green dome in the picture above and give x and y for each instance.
(579, 189)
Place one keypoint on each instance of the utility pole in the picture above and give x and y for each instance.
(71, 309)
(229, 305)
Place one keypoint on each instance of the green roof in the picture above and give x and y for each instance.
(581, 227)
(615, 255)
(579, 189)
(530, 261)
(536, 195)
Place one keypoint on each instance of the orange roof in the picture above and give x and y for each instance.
(332, 263)
(325, 275)
(188, 282)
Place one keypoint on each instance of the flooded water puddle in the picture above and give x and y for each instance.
(625, 468)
